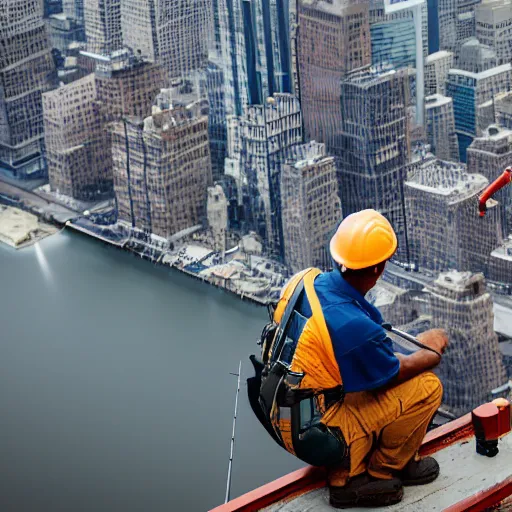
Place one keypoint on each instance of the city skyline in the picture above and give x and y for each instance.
(230, 137)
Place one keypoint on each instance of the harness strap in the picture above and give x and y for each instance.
(277, 371)
(318, 317)
(285, 319)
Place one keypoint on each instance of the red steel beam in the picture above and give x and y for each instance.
(483, 500)
(310, 478)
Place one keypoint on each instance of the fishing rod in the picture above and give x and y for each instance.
(408, 337)
(232, 449)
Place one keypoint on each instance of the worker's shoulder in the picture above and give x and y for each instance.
(347, 318)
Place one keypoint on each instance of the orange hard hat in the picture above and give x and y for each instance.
(363, 239)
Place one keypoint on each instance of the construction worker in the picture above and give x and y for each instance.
(337, 357)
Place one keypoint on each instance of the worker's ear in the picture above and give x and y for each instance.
(376, 270)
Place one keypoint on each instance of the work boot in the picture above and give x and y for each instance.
(419, 472)
(366, 491)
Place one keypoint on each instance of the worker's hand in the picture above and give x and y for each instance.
(435, 338)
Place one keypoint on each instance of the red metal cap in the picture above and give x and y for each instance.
(492, 420)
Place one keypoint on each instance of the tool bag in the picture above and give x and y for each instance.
(276, 385)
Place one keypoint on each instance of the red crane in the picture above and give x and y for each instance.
(494, 187)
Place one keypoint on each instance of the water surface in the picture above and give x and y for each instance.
(115, 385)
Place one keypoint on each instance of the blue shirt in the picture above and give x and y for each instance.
(363, 351)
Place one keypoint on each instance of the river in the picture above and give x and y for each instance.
(115, 385)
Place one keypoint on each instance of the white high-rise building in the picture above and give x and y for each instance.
(103, 26)
(494, 27)
(173, 33)
(26, 71)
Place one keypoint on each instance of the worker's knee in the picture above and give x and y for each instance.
(433, 388)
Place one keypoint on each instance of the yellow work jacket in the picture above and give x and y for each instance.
(314, 354)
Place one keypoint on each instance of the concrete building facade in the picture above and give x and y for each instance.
(476, 57)
(444, 227)
(162, 171)
(174, 34)
(456, 23)
(217, 213)
(375, 143)
(74, 9)
(500, 268)
(77, 116)
(490, 155)
(440, 127)
(63, 32)
(494, 27)
(268, 132)
(502, 109)
(26, 71)
(437, 66)
(78, 154)
(469, 91)
(472, 366)
(311, 207)
(129, 91)
(102, 19)
(230, 54)
(333, 38)
(393, 37)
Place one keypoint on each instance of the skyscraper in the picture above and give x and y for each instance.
(494, 27)
(76, 119)
(217, 119)
(476, 57)
(129, 90)
(230, 54)
(310, 206)
(174, 34)
(162, 171)
(472, 365)
(78, 154)
(489, 155)
(444, 229)
(270, 21)
(102, 20)
(333, 38)
(268, 132)
(437, 66)
(217, 211)
(375, 143)
(469, 91)
(502, 107)
(456, 23)
(394, 42)
(393, 35)
(74, 9)
(26, 71)
(139, 27)
(441, 127)
(500, 267)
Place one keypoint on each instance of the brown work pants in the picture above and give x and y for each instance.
(384, 428)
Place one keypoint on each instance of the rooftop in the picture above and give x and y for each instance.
(443, 54)
(483, 74)
(437, 100)
(446, 179)
(457, 281)
(330, 6)
(504, 251)
(370, 75)
(384, 293)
